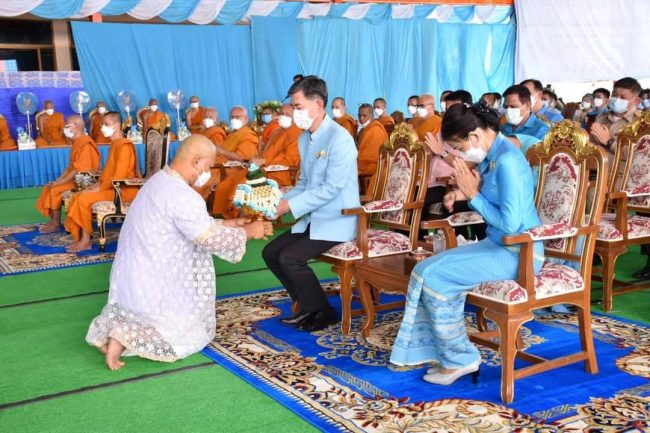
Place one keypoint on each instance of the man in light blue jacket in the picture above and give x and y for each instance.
(327, 184)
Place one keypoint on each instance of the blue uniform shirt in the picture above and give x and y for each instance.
(552, 114)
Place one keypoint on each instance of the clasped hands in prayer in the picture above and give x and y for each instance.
(467, 181)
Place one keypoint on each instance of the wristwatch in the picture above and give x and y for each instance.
(610, 143)
(444, 154)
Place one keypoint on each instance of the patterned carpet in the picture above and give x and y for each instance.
(24, 249)
(345, 383)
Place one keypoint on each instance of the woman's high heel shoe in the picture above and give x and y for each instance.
(447, 379)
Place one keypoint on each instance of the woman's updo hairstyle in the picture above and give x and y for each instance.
(461, 119)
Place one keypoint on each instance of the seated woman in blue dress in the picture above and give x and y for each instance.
(501, 190)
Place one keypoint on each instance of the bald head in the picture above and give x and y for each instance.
(211, 113)
(286, 110)
(428, 102)
(153, 101)
(113, 118)
(48, 105)
(75, 124)
(193, 147)
(239, 112)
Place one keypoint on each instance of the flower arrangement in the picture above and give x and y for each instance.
(272, 104)
(259, 196)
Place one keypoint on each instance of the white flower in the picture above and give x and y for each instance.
(321, 154)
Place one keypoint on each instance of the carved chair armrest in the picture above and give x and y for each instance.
(447, 229)
(117, 186)
(552, 231)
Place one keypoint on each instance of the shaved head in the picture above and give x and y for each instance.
(211, 113)
(101, 104)
(428, 101)
(48, 104)
(113, 118)
(77, 121)
(153, 101)
(239, 112)
(287, 110)
(195, 146)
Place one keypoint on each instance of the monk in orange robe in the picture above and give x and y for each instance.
(427, 121)
(96, 121)
(84, 156)
(121, 164)
(270, 120)
(6, 142)
(370, 139)
(343, 118)
(382, 115)
(153, 118)
(281, 150)
(412, 107)
(194, 115)
(50, 127)
(240, 145)
(211, 128)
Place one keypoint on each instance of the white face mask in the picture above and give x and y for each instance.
(302, 120)
(284, 121)
(598, 102)
(378, 112)
(107, 131)
(194, 104)
(513, 116)
(618, 105)
(153, 108)
(208, 123)
(412, 109)
(474, 154)
(101, 110)
(422, 112)
(236, 124)
(533, 101)
(585, 105)
(363, 125)
(68, 132)
(203, 178)
(336, 112)
(646, 103)
(443, 106)
(49, 111)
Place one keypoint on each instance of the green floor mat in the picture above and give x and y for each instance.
(207, 399)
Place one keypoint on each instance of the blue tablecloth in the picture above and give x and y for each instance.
(25, 168)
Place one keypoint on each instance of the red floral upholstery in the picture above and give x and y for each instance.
(400, 173)
(552, 231)
(638, 181)
(382, 205)
(553, 279)
(637, 227)
(465, 218)
(108, 207)
(559, 193)
(380, 243)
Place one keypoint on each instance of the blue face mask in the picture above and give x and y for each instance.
(266, 118)
(618, 105)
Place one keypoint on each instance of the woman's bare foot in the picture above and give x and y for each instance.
(114, 350)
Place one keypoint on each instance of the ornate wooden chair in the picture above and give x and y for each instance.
(388, 221)
(156, 148)
(629, 191)
(570, 207)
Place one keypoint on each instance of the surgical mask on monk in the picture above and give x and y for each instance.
(422, 112)
(194, 105)
(107, 131)
(379, 112)
(236, 124)
(266, 118)
(203, 178)
(49, 111)
(208, 123)
(101, 110)
(153, 108)
(302, 120)
(284, 121)
(336, 112)
(474, 154)
(67, 131)
(618, 105)
(412, 109)
(513, 116)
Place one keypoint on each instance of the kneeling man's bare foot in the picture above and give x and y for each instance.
(114, 350)
(50, 227)
(103, 348)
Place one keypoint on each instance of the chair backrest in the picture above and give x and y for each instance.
(631, 170)
(565, 194)
(401, 177)
(156, 151)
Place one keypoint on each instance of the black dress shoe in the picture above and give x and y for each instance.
(642, 274)
(320, 319)
(295, 319)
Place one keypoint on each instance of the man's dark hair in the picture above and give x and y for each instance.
(298, 77)
(312, 87)
(550, 93)
(497, 95)
(445, 92)
(630, 84)
(537, 85)
(519, 90)
(380, 100)
(461, 119)
(414, 97)
(460, 95)
(342, 99)
(602, 90)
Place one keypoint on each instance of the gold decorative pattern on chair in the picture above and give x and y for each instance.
(629, 192)
(403, 165)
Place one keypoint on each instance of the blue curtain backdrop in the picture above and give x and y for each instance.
(213, 62)
(242, 65)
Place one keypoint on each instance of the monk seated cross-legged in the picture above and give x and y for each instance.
(240, 145)
(50, 127)
(84, 156)
(370, 139)
(6, 142)
(121, 164)
(282, 150)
